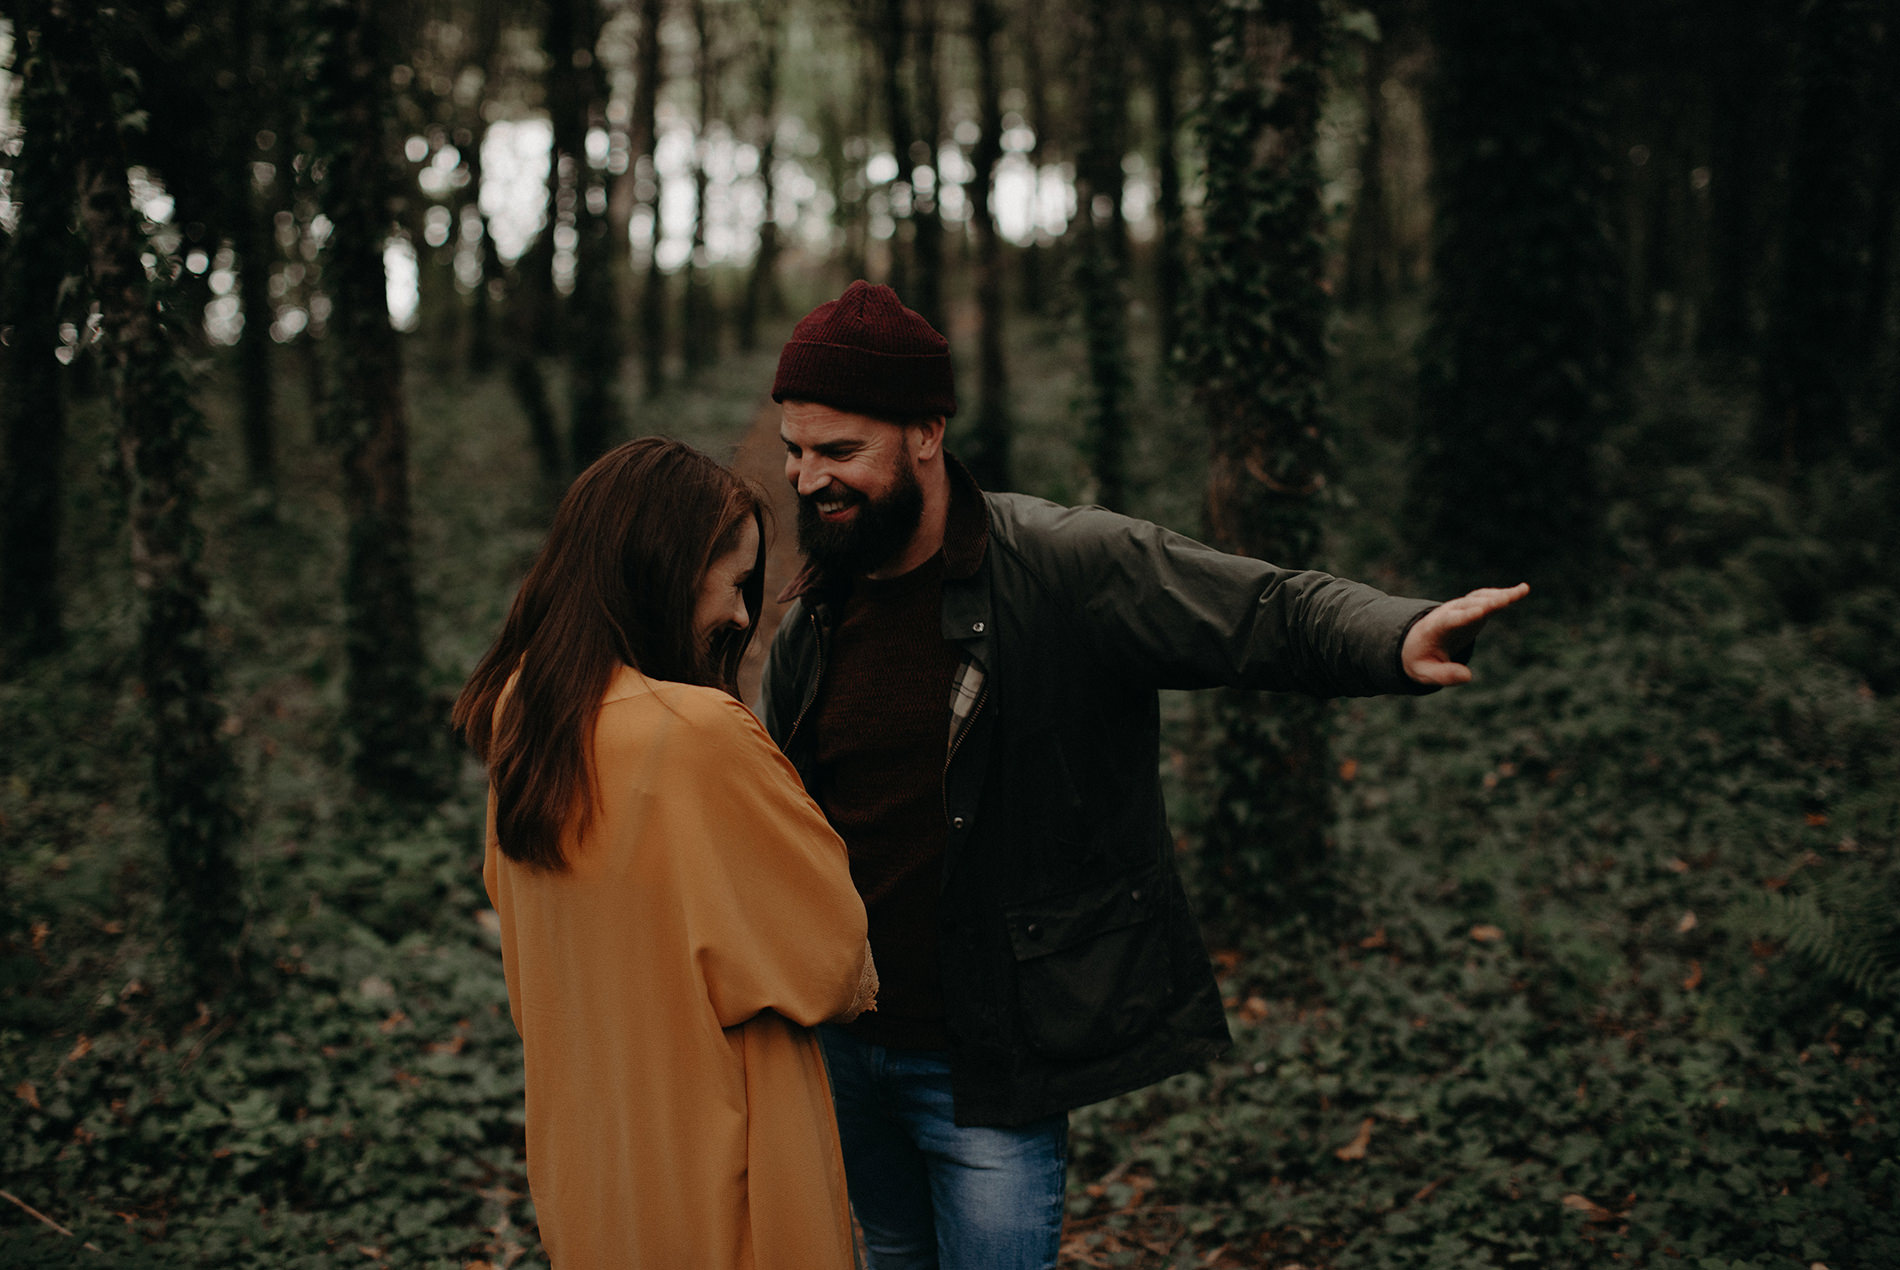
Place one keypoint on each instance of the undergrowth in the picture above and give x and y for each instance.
(1614, 982)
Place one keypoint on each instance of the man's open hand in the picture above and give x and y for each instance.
(1438, 643)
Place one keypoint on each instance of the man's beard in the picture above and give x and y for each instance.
(874, 537)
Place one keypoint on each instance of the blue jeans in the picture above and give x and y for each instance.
(928, 1194)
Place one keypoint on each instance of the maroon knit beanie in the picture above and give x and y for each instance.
(866, 353)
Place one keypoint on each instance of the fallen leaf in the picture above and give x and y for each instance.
(451, 1046)
(1592, 1211)
(27, 1094)
(1676, 864)
(40, 931)
(83, 1048)
(1356, 1149)
(1686, 925)
(1375, 940)
(1486, 933)
(395, 1020)
(1693, 979)
(1349, 769)
(1253, 1009)
(1816, 819)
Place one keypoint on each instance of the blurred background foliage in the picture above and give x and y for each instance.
(308, 311)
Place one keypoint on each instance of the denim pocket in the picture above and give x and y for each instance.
(1091, 965)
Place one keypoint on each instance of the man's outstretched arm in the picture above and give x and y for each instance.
(1436, 647)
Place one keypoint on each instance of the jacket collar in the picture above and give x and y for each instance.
(966, 537)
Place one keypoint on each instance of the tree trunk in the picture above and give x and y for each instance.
(891, 35)
(1811, 369)
(485, 43)
(926, 216)
(990, 438)
(699, 332)
(1100, 270)
(397, 728)
(646, 95)
(1369, 270)
(252, 211)
(1745, 75)
(1170, 266)
(194, 783)
(594, 416)
(33, 269)
(761, 291)
(1035, 290)
(1526, 352)
(1258, 360)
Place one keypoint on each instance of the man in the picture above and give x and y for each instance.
(967, 684)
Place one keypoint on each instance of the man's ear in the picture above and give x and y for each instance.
(929, 443)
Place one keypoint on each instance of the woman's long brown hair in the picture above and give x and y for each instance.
(616, 583)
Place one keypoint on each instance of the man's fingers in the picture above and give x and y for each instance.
(1489, 599)
(1441, 674)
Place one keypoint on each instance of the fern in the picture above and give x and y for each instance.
(1846, 926)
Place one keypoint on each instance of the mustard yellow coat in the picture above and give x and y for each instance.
(678, 1114)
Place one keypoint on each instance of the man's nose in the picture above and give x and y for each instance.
(808, 477)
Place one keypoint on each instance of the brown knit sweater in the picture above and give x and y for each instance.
(881, 728)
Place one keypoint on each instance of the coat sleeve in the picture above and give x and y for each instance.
(1173, 612)
(770, 910)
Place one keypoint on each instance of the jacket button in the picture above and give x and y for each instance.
(977, 627)
(1033, 931)
(956, 823)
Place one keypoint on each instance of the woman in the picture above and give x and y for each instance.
(675, 912)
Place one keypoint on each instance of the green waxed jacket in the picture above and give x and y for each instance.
(1072, 968)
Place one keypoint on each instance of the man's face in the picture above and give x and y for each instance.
(859, 502)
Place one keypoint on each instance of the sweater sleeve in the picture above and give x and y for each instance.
(773, 919)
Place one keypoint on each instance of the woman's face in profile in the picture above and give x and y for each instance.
(722, 591)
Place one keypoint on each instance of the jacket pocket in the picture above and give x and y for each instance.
(1092, 968)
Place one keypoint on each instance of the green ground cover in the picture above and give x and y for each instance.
(1609, 988)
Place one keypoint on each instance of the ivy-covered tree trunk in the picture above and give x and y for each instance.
(989, 444)
(1525, 354)
(1812, 359)
(1099, 271)
(646, 96)
(1257, 356)
(194, 786)
(397, 728)
(33, 267)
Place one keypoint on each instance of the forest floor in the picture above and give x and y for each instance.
(1604, 984)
